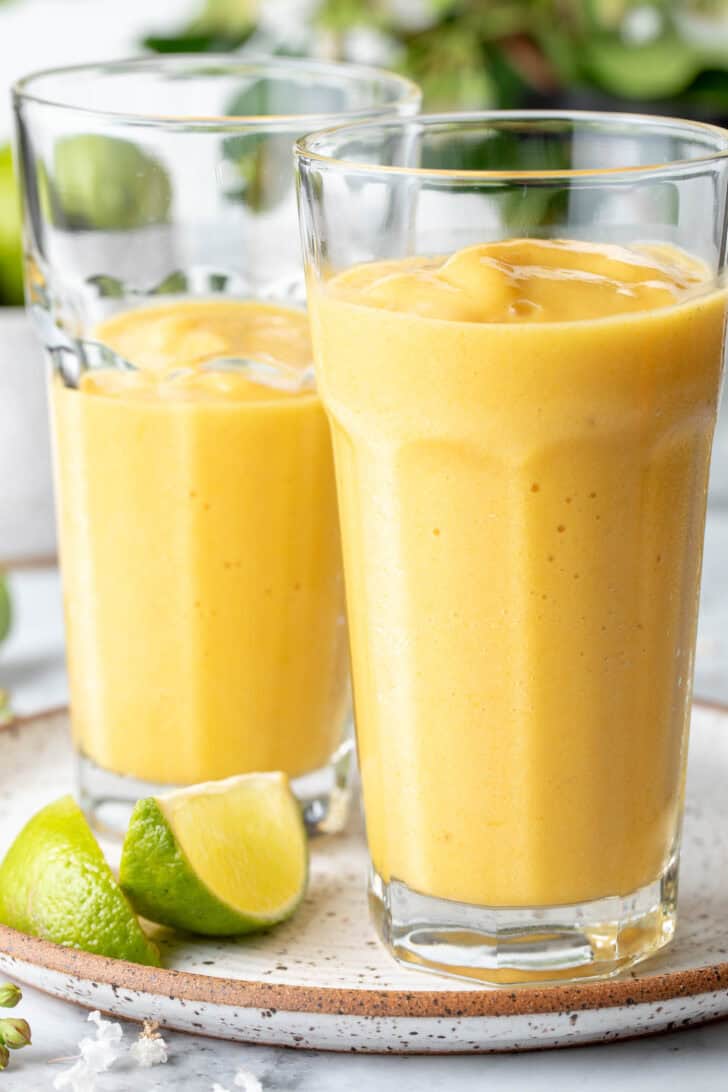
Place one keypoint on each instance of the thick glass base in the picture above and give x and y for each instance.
(508, 946)
(108, 798)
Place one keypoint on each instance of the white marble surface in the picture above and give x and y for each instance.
(31, 665)
(692, 1060)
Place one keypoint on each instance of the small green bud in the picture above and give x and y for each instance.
(10, 995)
(4, 1056)
(15, 1034)
(6, 712)
(6, 605)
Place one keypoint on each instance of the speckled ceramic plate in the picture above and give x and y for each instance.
(322, 981)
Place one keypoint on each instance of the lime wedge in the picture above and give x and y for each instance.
(220, 859)
(56, 884)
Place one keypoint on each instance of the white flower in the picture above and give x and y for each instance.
(100, 1053)
(97, 1055)
(147, 1051)
(79, 1078)
(106, 1031)
(247, 1081)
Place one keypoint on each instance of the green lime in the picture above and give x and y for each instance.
(105, 183)
(11, 247)
(56, 884)
(220, 859)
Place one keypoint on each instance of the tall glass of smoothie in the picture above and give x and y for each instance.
(518, 325)
(197, 510)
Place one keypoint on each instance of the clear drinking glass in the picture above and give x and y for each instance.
(197, 509)
(518, 327)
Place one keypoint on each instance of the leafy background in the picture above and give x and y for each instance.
(665, 56)
(478, 53)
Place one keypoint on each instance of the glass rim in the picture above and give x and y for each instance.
(407, 94)
(306, 151)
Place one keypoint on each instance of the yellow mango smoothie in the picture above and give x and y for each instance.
(200, 548)
(522, 434)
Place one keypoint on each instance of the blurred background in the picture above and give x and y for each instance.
(665, 56)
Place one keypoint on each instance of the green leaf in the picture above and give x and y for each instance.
(708, 93)
(562, 51)
(660, 69)
(193, 43)
(174, 284)
(450, 65)
(108, 287)
(605, 14)
(222, 26)
(229, 17)
(342, 15)
(500, 19)
(510, 87)
(262, 161)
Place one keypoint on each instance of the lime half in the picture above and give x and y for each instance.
(220, 859)
(56, 884)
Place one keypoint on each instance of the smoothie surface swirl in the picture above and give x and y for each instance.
(525, 281)
(232, 350)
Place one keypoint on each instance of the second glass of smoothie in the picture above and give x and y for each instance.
(197, 509)
(521, 374)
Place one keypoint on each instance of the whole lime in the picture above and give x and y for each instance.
(105, 183)
(11, 246)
